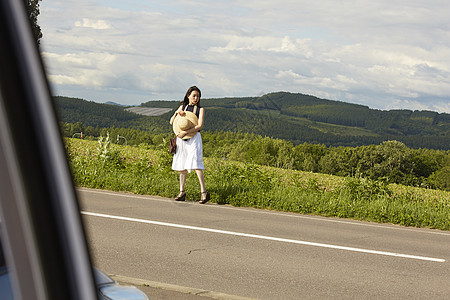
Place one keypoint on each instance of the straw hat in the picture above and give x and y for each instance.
(186, 122)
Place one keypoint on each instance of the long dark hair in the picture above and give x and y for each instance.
(189, 91)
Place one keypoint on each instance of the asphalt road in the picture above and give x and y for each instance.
(220, 251)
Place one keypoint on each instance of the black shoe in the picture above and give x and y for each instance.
(206, 199)
(181, 196)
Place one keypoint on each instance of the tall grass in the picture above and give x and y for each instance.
(142, 170)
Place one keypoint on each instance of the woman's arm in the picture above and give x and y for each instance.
(198, 127)
(175, 114)
(201, 119)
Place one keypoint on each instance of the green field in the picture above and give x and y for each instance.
(147, 170)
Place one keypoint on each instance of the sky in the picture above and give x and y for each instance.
(385, 54)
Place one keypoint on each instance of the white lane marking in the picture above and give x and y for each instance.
(260, 211)
(265, 237)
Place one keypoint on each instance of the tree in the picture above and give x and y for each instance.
(32, 7)
(396, 161)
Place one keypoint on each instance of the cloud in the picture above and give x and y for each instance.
(376, 53)
(82, 69)
(439, 106)
(94, 24)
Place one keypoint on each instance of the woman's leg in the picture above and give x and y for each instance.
(205, 194)
(201, 179)
(183, 175)
(182, 195)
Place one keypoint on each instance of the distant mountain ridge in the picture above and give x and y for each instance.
(295, 117)
(114, 103)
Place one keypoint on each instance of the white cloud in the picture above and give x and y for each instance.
(416, 105)
(375, 53)
(82, 69)
(94, 24)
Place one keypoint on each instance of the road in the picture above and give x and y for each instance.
(262, 254)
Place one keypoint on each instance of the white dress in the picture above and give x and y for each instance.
(189, 155)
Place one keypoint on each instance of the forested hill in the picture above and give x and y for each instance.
(92, 114)
(295, 117)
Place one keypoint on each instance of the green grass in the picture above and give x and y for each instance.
(145, 170)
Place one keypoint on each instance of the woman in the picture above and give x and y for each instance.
(189, 155)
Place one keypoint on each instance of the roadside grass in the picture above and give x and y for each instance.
(146, 170)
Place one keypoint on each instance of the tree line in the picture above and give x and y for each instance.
(390, 161)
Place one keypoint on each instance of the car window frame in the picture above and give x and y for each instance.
(43, 236)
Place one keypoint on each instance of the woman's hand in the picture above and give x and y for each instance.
(182, 113)
(181, 134)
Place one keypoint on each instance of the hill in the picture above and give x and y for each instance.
(99, 115)
(294, 117)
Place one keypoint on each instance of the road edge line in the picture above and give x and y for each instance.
(176, 288)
